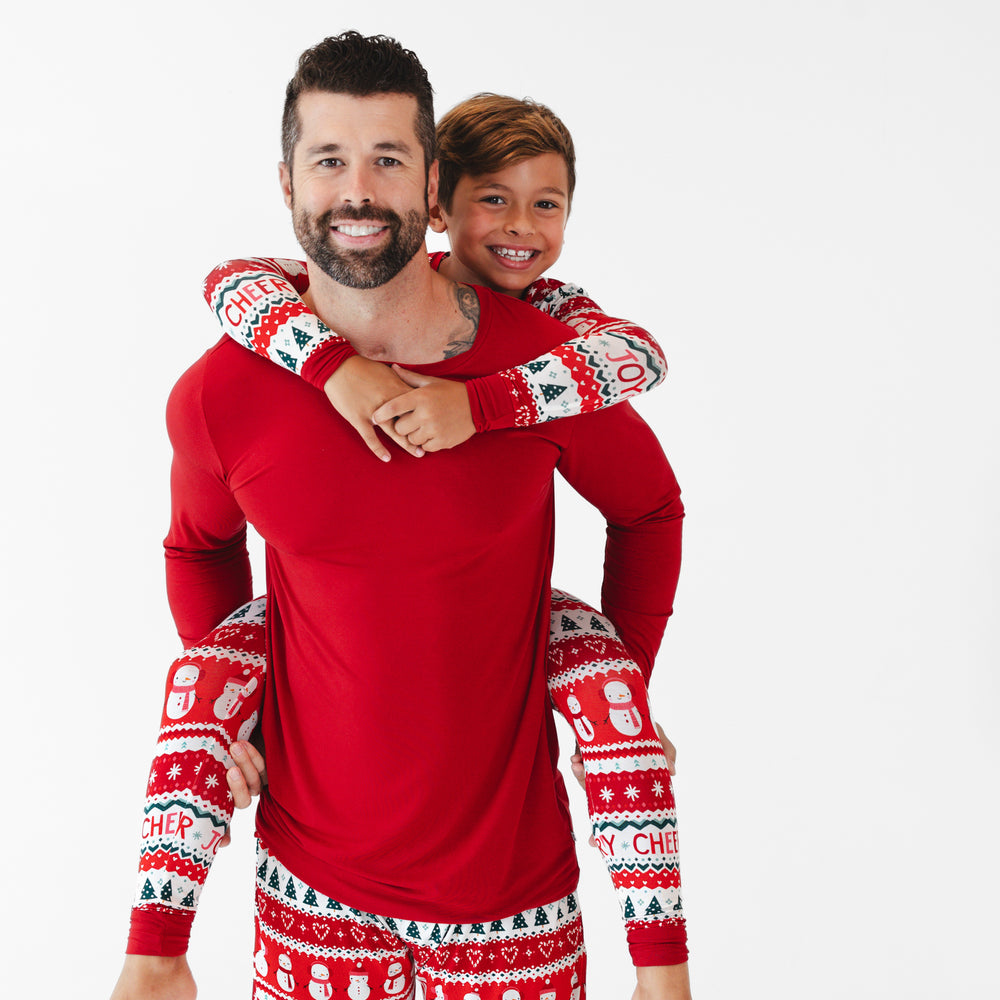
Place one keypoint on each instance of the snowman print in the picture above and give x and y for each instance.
(625, 716)
(181, 697)
(575, 983)
(285, 978)
(319, 984)
(359, 988)
(395, 981)
(233, 695)
(260, 962)
(246, 730)
(583, 726)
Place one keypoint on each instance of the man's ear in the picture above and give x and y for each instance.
(437, 222)
(285, 178)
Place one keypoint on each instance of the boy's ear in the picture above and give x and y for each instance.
(437, 222)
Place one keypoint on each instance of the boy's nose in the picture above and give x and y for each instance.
(518, 224)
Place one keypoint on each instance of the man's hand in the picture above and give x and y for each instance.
(669, 751)
(357, 389)
(152, 977)
(662, 982)
(248, 775)
(434, 416)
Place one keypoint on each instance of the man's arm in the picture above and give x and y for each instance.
(614, 461)
(208, 567)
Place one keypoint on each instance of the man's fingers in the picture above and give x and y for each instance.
(669, 750)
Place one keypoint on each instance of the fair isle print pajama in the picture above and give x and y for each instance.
(213, 698)
(311, 947)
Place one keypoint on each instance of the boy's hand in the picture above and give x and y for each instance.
(434, 416)
(358, 388)
(152, 977)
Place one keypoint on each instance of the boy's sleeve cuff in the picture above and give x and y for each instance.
(658, 943)
(159, 930)
(325, 360)
(491, 403)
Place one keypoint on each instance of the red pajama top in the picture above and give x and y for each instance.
(410, 746)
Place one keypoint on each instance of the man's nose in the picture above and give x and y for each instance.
(358, 185)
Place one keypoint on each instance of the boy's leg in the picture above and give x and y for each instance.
(213, 698)
(598, 687)
(537, 954)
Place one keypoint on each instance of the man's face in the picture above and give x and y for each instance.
(357, 187)
(506, 227)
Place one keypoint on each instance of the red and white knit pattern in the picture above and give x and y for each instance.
(599, 689)
(257, 303)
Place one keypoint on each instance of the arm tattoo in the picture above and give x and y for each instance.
(468, 306)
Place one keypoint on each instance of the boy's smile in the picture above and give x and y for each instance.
(506, 227)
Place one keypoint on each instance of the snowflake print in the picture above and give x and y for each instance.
(211, 781)
(658, 788)
(173, 772)
(631, 793)
(607, 794)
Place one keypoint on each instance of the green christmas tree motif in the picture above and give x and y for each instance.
(458, 932)
(290, 892)
(273, 882)
(148, 892)
(497, 925)
(568, 625)
(629, 908)
(188, 900)
(551, 392)
(536, 366)
(262, 871)
(571, 903)
(332, 904)
(309, 899)
(413, 930)
(540, 917)
(436, 934)
(596, 624)
(653, 908)
(288, 361)
(301, 337)
(390, 923)
(167, 892)
(519, 922)
(477, 929)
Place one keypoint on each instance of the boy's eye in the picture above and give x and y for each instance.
(546, 204)
(492, 199)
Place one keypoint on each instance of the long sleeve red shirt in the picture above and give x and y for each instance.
(411, 751)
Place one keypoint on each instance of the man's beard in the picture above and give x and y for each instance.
(361, 268)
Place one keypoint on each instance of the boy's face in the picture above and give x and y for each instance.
(506, 227)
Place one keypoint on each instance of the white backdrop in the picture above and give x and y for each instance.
(801, 200)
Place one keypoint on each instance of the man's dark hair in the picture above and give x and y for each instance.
(351, 63)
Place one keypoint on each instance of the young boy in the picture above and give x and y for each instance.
(505, 187)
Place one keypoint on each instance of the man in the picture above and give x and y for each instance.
(415, 636)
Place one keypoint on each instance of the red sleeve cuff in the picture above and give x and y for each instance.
(159, 930)
(325, 360)
(662, 942)
(491, 403)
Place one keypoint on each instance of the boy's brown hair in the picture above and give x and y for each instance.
(489, 132)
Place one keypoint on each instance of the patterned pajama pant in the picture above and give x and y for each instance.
(311, 946)
(213, 698)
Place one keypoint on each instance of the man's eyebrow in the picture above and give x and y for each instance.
(386, 146)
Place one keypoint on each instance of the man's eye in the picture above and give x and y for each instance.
(331, 161)
(387, 161)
